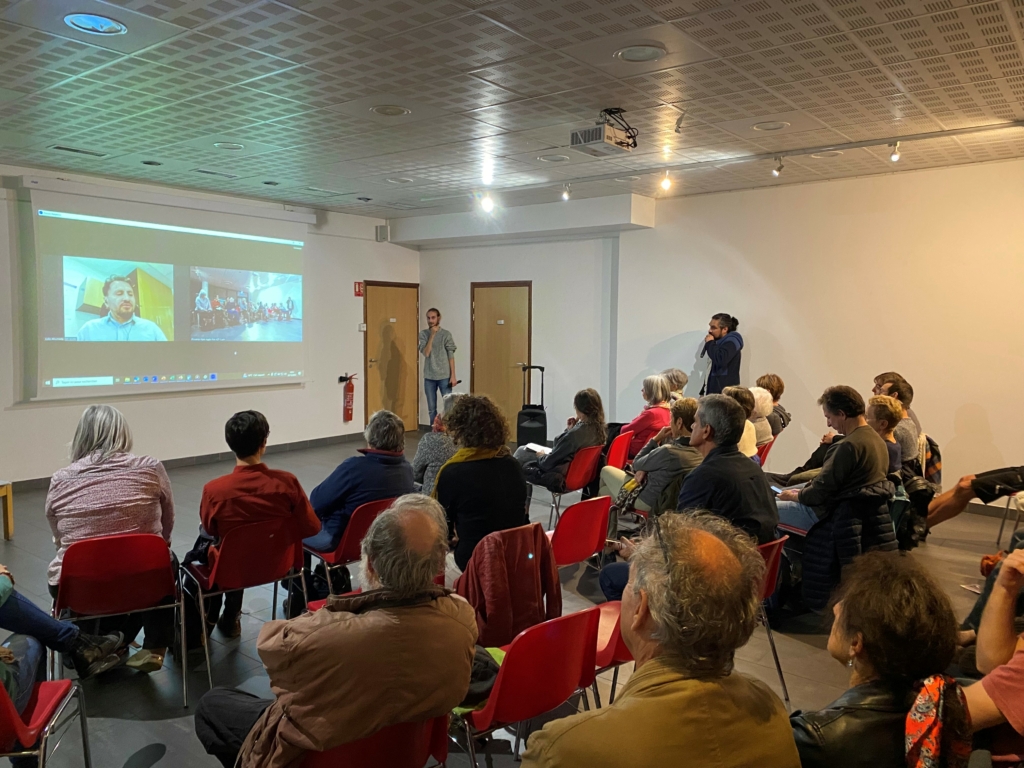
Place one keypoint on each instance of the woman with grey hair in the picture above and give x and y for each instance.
(108, 490)
(434, 448)
(654, 417)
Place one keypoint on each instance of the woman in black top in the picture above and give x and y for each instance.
(481, 488)
(895, 630)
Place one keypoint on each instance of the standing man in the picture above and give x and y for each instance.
(722, 344)
(438, 348)
(120, 323)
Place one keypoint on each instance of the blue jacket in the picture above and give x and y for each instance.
(725, 362)
(374, 475)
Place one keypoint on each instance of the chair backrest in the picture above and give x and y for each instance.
(611, 648)
(582, 468)
(618, 451)
(543, 667)
(772, 554)
(581, 531)
(349, 548)
(13, 731)
(405, 745)
(116, 574)
(257, 553)
(762, 451)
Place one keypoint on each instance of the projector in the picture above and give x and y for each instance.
(603, 140)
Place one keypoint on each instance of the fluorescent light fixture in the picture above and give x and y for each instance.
(166, 228)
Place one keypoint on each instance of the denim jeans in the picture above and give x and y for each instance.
(430, 387)
(613, 579)
(973, 619)
(20, 615)
(797, 515)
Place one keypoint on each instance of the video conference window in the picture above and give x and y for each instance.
(243, 305)
(111, 300)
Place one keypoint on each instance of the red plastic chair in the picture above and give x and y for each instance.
(611, 649)
(405, 745)
(19, 734)
(762, 451)
(581, 532)
(772, 554)
(113, 575)
(249, 556)
(349, 548)
(543, 667)
(582, 469)
(618, 451)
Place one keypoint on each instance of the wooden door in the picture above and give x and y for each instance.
(391, 312)
(501, 331)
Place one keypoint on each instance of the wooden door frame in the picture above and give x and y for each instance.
(528, 284)
(366, 354)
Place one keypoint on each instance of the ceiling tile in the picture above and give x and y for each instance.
(184, 13)
(200, 54)
(464, 43)
(379, 18)
(542, 74)
(560, 24)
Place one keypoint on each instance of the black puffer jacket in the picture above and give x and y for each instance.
(854, 523)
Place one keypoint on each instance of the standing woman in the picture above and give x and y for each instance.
(108, 490)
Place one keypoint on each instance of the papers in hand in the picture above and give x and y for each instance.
(541, 450)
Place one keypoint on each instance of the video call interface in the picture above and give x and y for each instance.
(183, 311)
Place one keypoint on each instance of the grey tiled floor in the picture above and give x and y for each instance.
(137, 720)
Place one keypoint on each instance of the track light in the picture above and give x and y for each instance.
(487, 204)
(777, 170)
(666, 183)
(565, 192)
(895, 154)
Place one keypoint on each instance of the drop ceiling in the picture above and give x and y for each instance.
(503, 84)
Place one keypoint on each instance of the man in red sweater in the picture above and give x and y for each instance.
(252, 493)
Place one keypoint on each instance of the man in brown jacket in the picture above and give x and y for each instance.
(344, 672)
(691, 601)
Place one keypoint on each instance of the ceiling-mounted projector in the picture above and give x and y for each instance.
(612, 135)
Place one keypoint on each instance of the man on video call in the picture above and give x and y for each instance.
(120, 322)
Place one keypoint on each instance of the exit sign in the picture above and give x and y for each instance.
(359, 289)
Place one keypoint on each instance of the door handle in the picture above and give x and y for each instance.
(371, 361)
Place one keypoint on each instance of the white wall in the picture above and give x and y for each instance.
(571, 309)
(337, 253)
(835, 282)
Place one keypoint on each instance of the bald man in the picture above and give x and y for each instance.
(351, 659)
(692, 599)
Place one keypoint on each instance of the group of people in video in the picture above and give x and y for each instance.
(220, 312)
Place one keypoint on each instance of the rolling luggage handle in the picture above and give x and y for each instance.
(526, 369)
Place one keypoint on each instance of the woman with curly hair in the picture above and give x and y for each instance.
(481, 488)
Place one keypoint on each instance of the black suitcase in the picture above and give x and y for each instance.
(532, 421)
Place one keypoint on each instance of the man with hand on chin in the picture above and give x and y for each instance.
(438, 349)
(120, 322)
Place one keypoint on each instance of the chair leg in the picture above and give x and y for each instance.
(1016, 522)
(470, 746)
(775, 653)
(615, 682)
(330, 581)
(586, 700)
(86, 754)
(1006, 514)
(202, 634)
(273, 605)
(305, 594)
(184, 653)
(597, 695)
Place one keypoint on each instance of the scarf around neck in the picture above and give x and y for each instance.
(469, 454)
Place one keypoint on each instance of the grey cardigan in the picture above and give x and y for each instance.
(663, 464)
(433, 450)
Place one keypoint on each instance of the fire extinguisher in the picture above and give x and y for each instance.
(350, 394)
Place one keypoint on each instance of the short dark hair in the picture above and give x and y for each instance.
(434, 310)
(902, 391)
(742, 396)
(116, 279)
(727, 321)
(888, 378)
(476, 422)
(842, 399)
(773, 383)
(245, 432)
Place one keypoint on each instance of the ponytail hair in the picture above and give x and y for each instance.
(726, 320)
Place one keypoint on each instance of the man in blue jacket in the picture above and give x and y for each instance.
(723, 345)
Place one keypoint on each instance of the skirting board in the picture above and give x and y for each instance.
(996, 509)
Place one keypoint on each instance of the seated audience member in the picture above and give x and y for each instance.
(883, 414)
(906, 431)
(726, 482)
(724, 346)
(434, 448)
(400, 652)
(667, 456)
(481, 488)
(251, 493)
(677, 381)
(654, 417)
(988, 486)
(969, 626)
(855, 466)
(692, 600)
(779, 418)
(107, 490)
(585, 429)
(762, 409)
(379, 472)
(748, 441)
(882, 386)
(895, 630)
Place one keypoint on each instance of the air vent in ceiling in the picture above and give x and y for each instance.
(77, 151)
(219, 174)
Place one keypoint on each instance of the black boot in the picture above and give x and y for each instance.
(92, 654)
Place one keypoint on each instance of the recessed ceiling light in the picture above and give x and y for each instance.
(151, 162)
(638, 54)
(826, 154)
(628, 179)
(271, 183)
(770, 125)
(231, 146)
(399, 180)
(94, 24)
(390, 110)
(553, 158)
(364, 199)
(487, 204)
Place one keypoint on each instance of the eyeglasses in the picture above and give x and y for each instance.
(663, 545)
